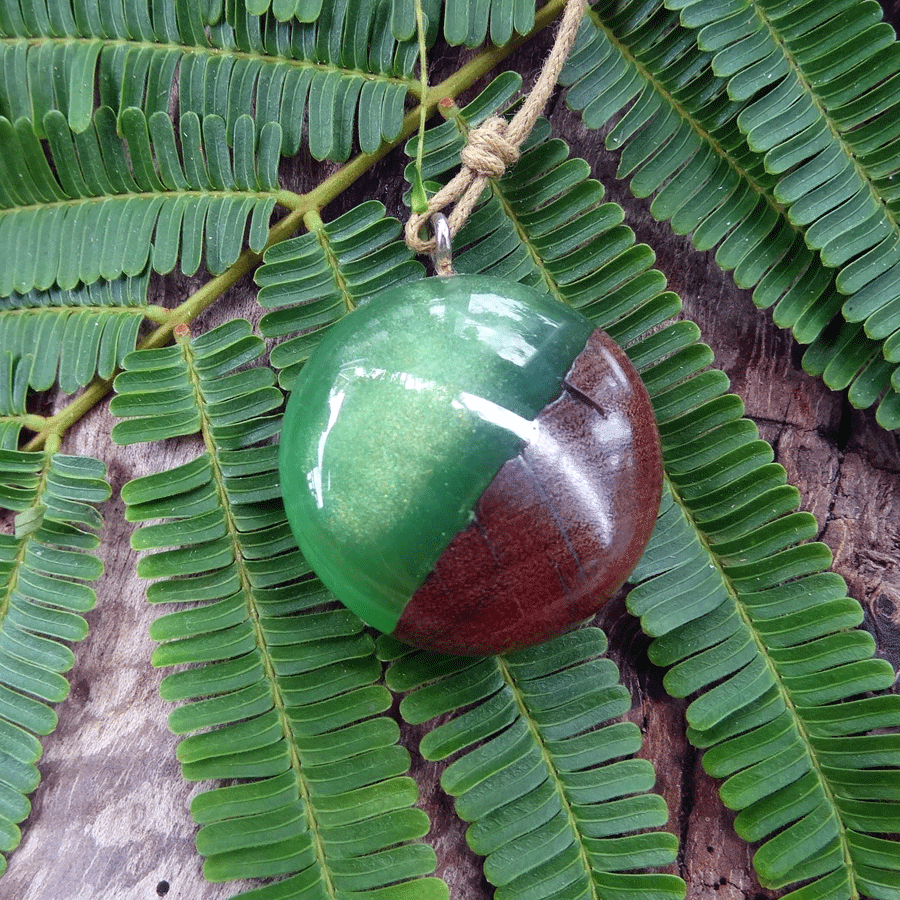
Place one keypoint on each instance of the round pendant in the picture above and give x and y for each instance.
(470, 466)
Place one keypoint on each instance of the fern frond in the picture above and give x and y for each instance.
(730, 580)
(74, 335)
(342, 73)
(749, 617)
(821, 102)
(311, 281)
(808, 91)
(559, 806)
(736, 178)
(44, 566)
(751, 622)
(282, 691)
(113, 206)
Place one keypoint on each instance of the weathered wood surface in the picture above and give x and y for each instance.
(110, 818)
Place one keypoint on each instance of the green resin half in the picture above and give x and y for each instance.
(402, 417)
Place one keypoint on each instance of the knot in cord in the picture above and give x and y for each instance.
(494, 144)
(486, 155)
(488, 152)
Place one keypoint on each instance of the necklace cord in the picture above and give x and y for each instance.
(495, 143)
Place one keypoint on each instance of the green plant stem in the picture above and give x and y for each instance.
(312, 221)
(418, 197)
(57, 425)
(299, 204)
(32, 422)
(289, 200)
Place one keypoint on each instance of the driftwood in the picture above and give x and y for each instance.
(110, 818)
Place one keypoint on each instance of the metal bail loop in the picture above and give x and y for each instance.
(443, 250)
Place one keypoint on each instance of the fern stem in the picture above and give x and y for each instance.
(553, 773)
(59, 423)
(31, 421)
(300, 205)
(157, 314)
(290, 200)
(313, 222)
(281, 197)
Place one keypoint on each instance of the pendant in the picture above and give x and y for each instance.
(470, 466)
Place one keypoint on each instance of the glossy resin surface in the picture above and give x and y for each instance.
(401, 420)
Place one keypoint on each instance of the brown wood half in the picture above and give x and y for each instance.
(560, 527)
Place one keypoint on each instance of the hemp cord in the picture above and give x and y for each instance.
(494, 144)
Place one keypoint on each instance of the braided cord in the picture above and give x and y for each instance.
(494, 144)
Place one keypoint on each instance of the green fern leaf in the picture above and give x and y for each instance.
(339, 66)
(747, 616)
(74, 335)
(153, 209)
(828, 61)
(822, 107)
(558, 804)
(285, 698)
(44, 565)
(311, 281)
(701, 123)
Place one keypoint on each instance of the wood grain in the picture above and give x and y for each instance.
(557, 531)
(110, 819)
